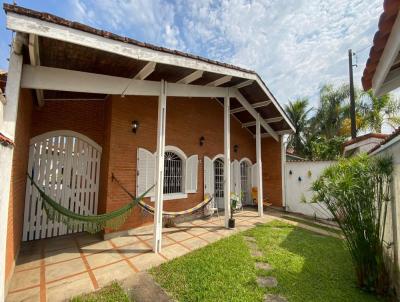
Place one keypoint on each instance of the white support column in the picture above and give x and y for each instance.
(283, 171)
(259, 167)
(159, 199)
(227, 159)
(8, 118)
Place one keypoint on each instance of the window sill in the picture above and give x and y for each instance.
(172, 196)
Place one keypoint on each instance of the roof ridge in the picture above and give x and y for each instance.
(44, 16)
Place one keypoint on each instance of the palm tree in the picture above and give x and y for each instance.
(332, 111)
(379, 110)
(298, 113)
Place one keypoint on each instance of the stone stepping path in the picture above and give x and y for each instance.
(267, 282)
(264, 282)
(274, 298)
(263, 266)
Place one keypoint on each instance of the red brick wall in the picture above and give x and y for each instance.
(272, 170)
(18, 181)
(187, 120)
(85, 117)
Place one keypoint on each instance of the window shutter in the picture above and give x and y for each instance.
(208, 176)
(191, 174)
(236, 176)
(254, 175)
(145, 171)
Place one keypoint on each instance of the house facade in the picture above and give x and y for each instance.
(83, 105)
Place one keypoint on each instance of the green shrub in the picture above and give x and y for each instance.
(357, 192)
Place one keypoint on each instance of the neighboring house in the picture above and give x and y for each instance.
(84, 104)
(363, 143)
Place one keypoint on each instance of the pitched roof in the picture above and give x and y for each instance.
(385, 25)
(364, 137)
(386, 140)
(106, 34)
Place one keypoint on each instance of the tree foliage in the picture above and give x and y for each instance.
(321, 132)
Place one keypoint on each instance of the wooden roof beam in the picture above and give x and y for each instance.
(242, 100)
(191, 77)
(255, 105)
(145, 71)
(33, 46)
(220, 81)
(268, 121)
(243, 84)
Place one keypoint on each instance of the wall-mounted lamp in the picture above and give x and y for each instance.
(309, 173)
(201, 141)
(135, 126)
(235, 148)
(290, 172)
(299, 179)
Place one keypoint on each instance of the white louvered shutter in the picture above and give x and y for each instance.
(254, 175)
(232, 178)
(208, 176)
(145, 171)
(235, 167)
(191, 174)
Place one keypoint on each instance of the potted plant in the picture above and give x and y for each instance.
(234, 202)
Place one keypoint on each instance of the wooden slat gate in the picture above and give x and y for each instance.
(67, 165)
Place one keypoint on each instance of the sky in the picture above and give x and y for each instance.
(296, 46)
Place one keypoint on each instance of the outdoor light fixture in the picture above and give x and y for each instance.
(299, 178)
(202, 139)
(290, 172)
(235, 148)
(135, 126)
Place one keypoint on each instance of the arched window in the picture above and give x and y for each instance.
(173, 173)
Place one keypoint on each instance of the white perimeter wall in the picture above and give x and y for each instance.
(392, 226)
(295, 189)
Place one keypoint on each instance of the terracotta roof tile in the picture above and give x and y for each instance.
(5, 141)
(364, 137)
(385, 25)
(76, 25)
(386, 140)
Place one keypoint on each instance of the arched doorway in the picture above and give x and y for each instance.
(67, 165)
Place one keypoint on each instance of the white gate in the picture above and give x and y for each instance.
(67, 165)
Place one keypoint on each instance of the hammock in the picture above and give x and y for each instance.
(92, 223)
(148, 208)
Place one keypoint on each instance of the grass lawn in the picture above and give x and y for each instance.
(308, 267)
(111, 293)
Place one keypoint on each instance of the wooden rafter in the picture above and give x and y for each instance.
(255, 105)
(191, 77)
(268, 120)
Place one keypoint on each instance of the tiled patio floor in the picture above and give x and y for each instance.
(57, 269)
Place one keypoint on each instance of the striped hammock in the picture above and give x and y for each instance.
(91, 223)
(148, 208)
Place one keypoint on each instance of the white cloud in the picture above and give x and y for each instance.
(295, 45)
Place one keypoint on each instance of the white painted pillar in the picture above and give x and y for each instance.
(8, 118)
(283, 171)
(227, 158)
(259, 167)
(159, 199)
